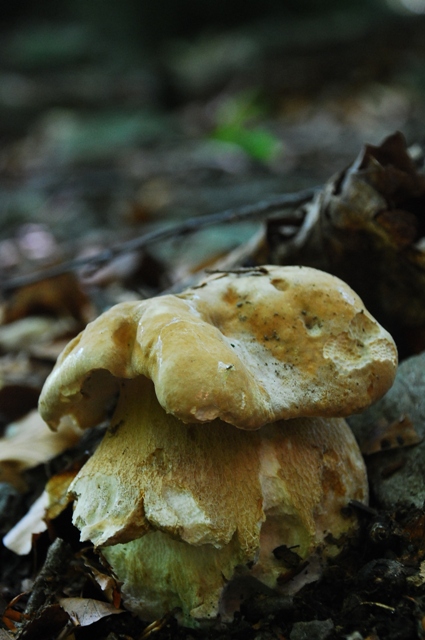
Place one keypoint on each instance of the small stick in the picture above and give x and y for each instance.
(261, 208)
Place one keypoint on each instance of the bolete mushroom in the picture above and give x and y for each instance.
(227, 439)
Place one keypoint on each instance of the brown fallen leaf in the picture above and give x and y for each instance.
(394, 435)
(58, 496)
(35, 330)
(414, 530)
(47, 623)
(107, 583)
(86, 611)
(21, 380)
(372, 231)
(59, 296)
(367, 227)
(29, 441)
(48, 351)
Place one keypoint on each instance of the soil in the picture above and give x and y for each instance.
(103, 143)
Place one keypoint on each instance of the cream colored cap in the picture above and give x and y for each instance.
(249, 348)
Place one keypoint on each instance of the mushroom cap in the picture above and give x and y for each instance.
(249, 348)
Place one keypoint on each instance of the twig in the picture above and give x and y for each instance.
(48, 580)
(239, 270)
(230, 260)
(259, 209)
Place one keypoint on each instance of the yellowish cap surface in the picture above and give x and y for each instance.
(250, 348)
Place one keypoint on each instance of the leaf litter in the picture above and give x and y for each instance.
(53, 586)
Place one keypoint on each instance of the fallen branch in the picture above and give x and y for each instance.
(259, 209)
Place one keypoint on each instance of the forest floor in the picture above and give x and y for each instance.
(101, 150)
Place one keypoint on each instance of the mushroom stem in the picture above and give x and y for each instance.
(197, 504)
(199, 483)
(160, 574)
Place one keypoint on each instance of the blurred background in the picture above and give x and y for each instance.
(119, 117)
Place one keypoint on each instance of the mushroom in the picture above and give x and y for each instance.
(227, 438)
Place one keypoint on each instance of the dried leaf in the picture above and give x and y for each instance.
(35, 330)
(48, 351)
(60, 296)
(19, 539)
(367, 227)
(86, 611)
(20, 370)
(401, 227)
(21, 380)
(414, 531)
(57, 490)
(47, 623)
(371, 222)
(422, 571)
(394, 435)
(119, 269)
(30, 442)
(417, 579)
(106, 582)
(11, 472)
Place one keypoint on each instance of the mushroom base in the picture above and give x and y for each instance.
(182, 511)
(197, 584)
(161, 574)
